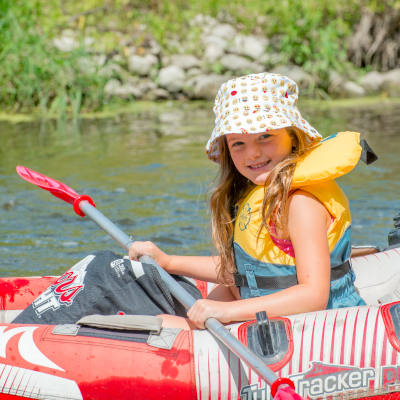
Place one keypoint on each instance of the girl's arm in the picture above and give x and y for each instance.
(308, 222)
(198, 267)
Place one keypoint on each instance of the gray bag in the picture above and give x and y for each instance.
(107, 284)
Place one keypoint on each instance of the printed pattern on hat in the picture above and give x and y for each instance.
(256, 103)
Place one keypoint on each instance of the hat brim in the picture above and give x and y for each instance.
(212, 147)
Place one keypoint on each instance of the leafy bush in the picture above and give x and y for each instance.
(34, 74)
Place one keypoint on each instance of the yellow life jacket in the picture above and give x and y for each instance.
(331, 158)
(258, 258)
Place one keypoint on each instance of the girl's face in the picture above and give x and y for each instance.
(255, 155)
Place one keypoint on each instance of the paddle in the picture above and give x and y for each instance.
(281, 388)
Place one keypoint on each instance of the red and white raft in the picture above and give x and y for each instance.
(349, 353)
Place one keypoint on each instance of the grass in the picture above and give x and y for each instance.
(36, 77)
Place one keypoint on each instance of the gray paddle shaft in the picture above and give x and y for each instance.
(213, 325)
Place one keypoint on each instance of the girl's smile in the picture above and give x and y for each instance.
(259, 166)
(255, 155)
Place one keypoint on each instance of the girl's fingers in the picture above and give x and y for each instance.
(199, 313)
(136, 250)
(139, 249)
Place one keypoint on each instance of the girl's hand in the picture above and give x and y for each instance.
(204, 308)
(139, 249)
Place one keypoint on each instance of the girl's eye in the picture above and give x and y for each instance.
(265, 136)
(236, 144)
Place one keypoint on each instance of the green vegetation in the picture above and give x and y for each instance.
(33, 75)
(36, 76)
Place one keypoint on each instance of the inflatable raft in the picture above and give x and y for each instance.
(349, 353)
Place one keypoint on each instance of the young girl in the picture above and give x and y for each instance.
(280, 223)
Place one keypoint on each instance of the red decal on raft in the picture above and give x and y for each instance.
(301, 346)
(18, 293)
(169, 370)
(320, 369)
(353, 341)
(333, 339)
(199, 376)
(387, 320)
(384, 347)
(362, 359)
(312, 338)
(136, 388)
(63, 288)
(321, 351)
(287, 358)
(343, 339)
(394, 356)
(373, 350)
(9, 289)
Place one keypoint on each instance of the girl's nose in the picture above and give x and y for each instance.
(254, 151)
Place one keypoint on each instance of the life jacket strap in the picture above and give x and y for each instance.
(283, 282)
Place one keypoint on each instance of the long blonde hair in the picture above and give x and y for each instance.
(230, 188)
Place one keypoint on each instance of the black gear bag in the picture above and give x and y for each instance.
(107, 284)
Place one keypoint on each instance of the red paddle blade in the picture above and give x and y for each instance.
(56, 188)
(287, 393)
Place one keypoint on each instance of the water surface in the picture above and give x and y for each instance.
(147, 171)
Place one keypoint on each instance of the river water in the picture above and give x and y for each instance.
(147, 171)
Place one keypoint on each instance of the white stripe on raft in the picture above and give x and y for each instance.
(36, 385)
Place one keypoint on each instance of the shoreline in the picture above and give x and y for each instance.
(137, 107)
(82, 60)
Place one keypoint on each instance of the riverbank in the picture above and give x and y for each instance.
(115, 110)
(81, 58)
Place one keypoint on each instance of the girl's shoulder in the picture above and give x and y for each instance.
(327, 195)
(303, 201)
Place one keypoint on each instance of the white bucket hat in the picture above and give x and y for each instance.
(256, 103)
